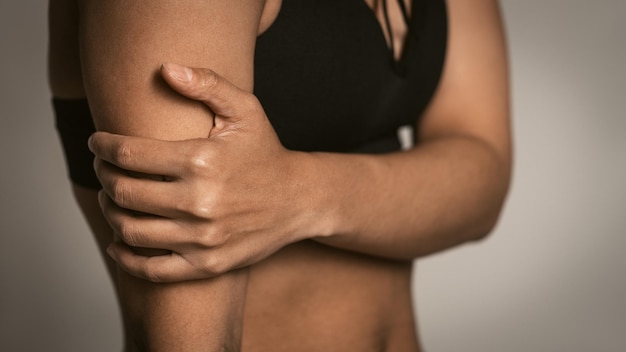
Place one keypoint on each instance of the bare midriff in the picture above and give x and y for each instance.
(310, 297)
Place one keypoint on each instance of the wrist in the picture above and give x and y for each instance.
(344, 194)
(314, 196)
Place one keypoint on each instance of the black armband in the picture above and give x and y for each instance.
(74, 126)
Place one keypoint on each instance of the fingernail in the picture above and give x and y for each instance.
(91, 143)
(110, 251)
(181, 73)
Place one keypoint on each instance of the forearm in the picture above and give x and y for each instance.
(198, 315)
(451, 187)
(410, 204)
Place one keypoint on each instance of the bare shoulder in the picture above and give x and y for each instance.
(64, 66)
(269, 14)
(473, 96)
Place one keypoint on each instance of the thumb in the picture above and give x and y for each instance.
(202, 84)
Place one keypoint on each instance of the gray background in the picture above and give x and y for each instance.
(551, 278)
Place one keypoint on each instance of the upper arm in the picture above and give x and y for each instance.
(122, 46)
(124, 43)
(473, 96)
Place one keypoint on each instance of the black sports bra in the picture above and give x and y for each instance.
(326, 78)
(329, 82)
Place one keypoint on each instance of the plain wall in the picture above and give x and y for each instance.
(550, 278)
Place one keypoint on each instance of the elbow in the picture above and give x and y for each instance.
(458, 234)
(496, 193)
(485, 228)
(489, 220)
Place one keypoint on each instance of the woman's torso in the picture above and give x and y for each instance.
(328, 82)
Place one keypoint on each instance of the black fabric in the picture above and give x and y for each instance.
(328, 81)
(74, 125)
(326, 78)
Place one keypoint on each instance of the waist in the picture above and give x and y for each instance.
(312, 297)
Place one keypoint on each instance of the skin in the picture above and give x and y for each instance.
(325, 272)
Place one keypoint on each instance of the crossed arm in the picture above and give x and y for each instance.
(447, 190)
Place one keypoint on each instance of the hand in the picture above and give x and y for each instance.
(219, 203)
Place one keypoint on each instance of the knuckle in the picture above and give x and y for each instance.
(204, 239)
(214, 237)
(198, 162)
(201, 210)
(123, 153)
(252, 107)
(120, 192)
(214, 265)
(129, 234)
(252, 102)
(153, 275)
(195, 207)
(209, 80)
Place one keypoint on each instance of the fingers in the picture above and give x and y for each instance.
(158, 269)
(224, 98)
(145, 155)
(144, 195)
(172, 267)
(138, 230)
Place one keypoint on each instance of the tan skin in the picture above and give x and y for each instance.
(322, 271)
